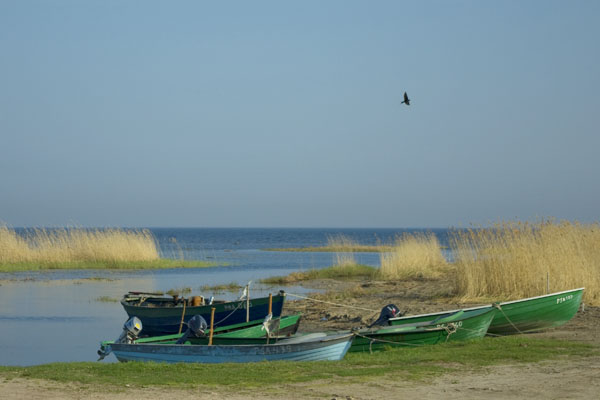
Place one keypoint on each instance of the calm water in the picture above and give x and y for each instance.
(56, 316)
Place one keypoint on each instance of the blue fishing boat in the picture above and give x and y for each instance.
(311, 347)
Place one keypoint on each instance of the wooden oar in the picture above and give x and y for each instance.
(182, 316)
(270, 303)
(212, 322)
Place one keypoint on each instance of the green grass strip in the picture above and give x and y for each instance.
(162, 263)
(353, 271)
(409, 364)
(336, 249)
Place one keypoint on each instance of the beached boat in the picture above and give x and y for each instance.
(301, 348)
(164, 315)
(518, 316)
(253, 332)
(461, 325)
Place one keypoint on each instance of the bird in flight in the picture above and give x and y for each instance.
(406, 99)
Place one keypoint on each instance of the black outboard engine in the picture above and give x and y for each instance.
(387, 312)
(196, 328)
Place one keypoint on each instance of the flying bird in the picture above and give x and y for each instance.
(406, 99)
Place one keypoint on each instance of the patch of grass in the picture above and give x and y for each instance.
(347, 271)
(161, 263)
(107, 299)
(227, 287)
(340, 244)
(416, 364)
(179, 291)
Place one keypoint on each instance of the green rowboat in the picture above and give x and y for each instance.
(461, 325)
(282, 327)
(518, 316)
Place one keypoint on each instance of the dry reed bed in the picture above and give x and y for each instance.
(417, 255)
(514, 259)
(507, 261)
(70, 245)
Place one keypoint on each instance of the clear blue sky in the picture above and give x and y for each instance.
(276, 113)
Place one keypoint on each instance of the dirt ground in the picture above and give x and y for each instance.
(565, 379)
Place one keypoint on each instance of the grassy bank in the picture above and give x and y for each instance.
(39, 249)
(406, 364)
(340, 244)
(352, 271)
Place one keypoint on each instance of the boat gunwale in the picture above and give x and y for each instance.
(484, 306)
(339, 337)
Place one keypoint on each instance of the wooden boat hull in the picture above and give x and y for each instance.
(525, 315)
(162, 320)
(465, 326)
(311, 349)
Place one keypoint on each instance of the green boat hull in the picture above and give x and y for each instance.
(462, 325)
(536, 313)
(525, 315)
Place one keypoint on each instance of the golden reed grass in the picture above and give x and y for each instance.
(76, 244)
(514, 259)
(416, 255)
(342, 243)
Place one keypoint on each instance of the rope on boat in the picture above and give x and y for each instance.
(373, 340)
(334, 304)
(450, 329)
(506, 316)
(229, 315)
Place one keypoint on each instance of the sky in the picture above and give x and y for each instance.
(289, 114)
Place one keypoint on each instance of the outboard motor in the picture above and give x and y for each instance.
(196, 328)
(131, 331)
(387, 312)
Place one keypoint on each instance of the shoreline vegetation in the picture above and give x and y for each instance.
(339, 244)
(508, 261)
(77, 248)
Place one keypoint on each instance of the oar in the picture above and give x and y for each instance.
(270, 303)
(182, 317)
(212, 322)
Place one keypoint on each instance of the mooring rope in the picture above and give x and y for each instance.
(506, 316)
(334, 304)
(229, 315)
(450, 329)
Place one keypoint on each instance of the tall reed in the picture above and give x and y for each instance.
(76, 244)
(414, 255)
(517, 259)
